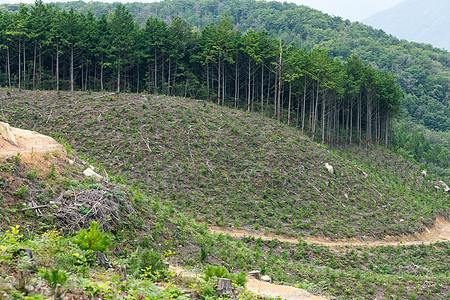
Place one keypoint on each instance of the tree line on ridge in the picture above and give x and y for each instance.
(336, 102)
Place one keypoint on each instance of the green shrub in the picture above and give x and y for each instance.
(94, 239)
(53, 276)
(146, 263)
(21, 192)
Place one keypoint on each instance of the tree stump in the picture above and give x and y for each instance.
(23, 251)
(58, 292)
(224, 288)
(22, 277)
(102, 260)
(122, 272)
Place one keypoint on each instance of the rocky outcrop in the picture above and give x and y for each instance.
(6, 133)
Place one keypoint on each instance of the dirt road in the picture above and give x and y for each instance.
(262, 288)
(439, 233)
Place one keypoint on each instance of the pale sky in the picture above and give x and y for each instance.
(354, 10)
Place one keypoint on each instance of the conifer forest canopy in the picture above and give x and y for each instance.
(329, 77)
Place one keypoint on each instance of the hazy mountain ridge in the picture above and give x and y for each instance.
(415, 20)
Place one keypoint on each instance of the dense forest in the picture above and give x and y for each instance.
(329, 77)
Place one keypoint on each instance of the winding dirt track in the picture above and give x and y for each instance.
(439, 233)
(261, 288)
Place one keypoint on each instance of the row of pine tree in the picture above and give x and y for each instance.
(336, 102)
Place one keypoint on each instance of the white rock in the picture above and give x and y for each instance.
(266, 278)
(71, 162)
(424, 173)
(329, 168)
(90, 173)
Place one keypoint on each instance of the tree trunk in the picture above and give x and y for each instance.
(223, 84)
(218, 82)
(24, 64)
(155, 86)
(40, 67)
(253, 91)
(315, 109)
(249, 85)
(275, 95)
(207, 80)
(236, 83)
(262, 89)
(101, 75)
(279, 83)
(19, 63)
(289, 105)
(358, 126)
(86, 83)
(169, 74)
(57, 67)
(8, 65)
(323, 117)
(137, 88)
(71, 68)
(118, 77)
(386, 131)
(369, 119)
(304, 105)
(34, 65)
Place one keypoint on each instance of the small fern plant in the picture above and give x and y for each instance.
(94, 239)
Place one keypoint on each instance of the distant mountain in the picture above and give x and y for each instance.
(416, 20)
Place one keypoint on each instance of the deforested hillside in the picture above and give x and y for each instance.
(167, 161)
(226, 167)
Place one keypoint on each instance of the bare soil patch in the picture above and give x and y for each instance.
(29, 142)
(275, 290)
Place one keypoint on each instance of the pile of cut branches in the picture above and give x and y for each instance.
(77, 208)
